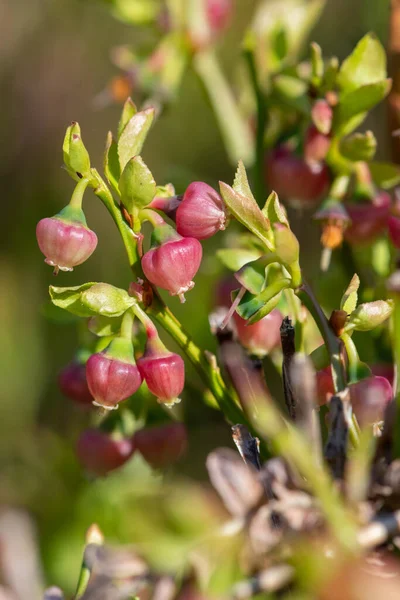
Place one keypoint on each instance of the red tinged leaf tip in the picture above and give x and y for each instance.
(201, 213)
(162, 445)
(99, 453)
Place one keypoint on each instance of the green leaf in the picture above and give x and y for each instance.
(104, 326)
(136, 12)
(365, 65)
(279, 43)
(292, 91)
(385, 175)
(165, 191)
(253, 308)
(129, 110)
(134, 135)
(241, 183)
(69, 298)
(137, 185)
(112, 169)
(76, 157)
(361, 100)
(247, 212)
(369, 315)
(252, 276)
(274, 211)
(235, 258)
(317, 64)
(359, 146)
(350, 297)
(92, 299)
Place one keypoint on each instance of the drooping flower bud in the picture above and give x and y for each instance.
(261, 337)
(316, 146)
(201, 214)
(112, 375)
(100, 453)
(394, 230)
(369, 399)
(163, 371)
(73, 384)
(322, 115)
(219, 13)
(65, 239)
(173, 261)
(368, 219)
(161, 445)
(303, 185)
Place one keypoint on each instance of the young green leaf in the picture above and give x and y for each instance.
(91, 299)
(246, 212)
(317, 64)
(134, 135)
(252, 276)
(235, 258)
(274, 211)
(241, 183)
(104, 326)
(112, 169)
(365, 65)
(385, 175)
(361, 100)
(137, 185)
(369, 315)
(359, 146)
(129, 110)
(253, 308)
(350, 297)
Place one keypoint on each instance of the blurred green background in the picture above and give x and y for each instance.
(54, 60)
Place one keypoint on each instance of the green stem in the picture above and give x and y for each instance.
(339, 187)
(77, 195)
(259, 166)
(209, 372)
(352, 356)
(93, 536)
(333, 346)
(235, 131)
(130, 242)
(126, 325)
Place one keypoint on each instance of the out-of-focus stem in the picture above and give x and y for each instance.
(235, 131)
(93, 536)
(259, 167)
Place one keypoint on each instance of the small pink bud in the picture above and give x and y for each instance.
(394, 230)
(369, 399)
(163, 371)
(261, 337)
(100, 453)
(316, 145)
(368, 219)
(65, 239)
(162, 445)
(201, 214)
(302, 184)
(73, 384)
(322, 114)
(173, 264)
(112, 375)
(219, 13)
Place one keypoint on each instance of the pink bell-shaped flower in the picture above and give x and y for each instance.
(99, 452)
(112, 375)
(161, 445)
(163, 371)
(65, 239)
(261, 337)
(201, 213)
(302, 184)
(73, 384)
(173, 261)
(368, 219)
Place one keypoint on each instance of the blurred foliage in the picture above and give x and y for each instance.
(54, 61)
